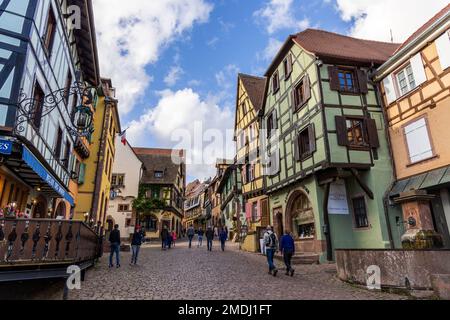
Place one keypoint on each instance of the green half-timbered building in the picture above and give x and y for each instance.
(329, 165)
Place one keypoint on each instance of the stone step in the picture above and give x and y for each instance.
(302, 258)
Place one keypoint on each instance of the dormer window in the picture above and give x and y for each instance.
(159, 174)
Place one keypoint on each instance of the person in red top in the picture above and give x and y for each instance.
(174, 238)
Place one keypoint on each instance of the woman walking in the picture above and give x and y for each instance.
(223, 236)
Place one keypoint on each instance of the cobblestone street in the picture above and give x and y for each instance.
(184, 274)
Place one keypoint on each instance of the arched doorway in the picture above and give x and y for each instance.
(40, 208)
(300, 217)
(278, 224)
(61, 210)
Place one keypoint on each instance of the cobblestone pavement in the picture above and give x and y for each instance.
(194, 274)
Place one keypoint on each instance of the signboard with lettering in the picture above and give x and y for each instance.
(5, 147)
(337, 201)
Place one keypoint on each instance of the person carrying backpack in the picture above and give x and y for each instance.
(271, 242)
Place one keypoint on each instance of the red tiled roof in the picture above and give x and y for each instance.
(255, 87)
(336, 46)
(423, 28)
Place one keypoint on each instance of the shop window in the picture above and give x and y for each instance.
(360, 212)
(150, 224)
(306, 231)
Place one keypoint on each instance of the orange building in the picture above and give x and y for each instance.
(415, 84)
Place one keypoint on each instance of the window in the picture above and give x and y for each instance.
(58, 144)
(124, 207)
(248, 173)
(81, 175)
(66, 159)
(275, 83)
(67, 87)
(244, 109)
(150, 224)
(118, 180)
(347, 81)
(159, 174)
(38, 106)
(356, 133)
(255, 216)
(405, 80)
(301, 93)
(418, 141)
(127, 223)
(50, 31)
(271, 123)
(305, 145)
(360, 212)
(287, 67)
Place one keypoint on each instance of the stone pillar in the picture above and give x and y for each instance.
(420, 233)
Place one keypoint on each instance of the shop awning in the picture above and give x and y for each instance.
(33, 173)
(431, 179)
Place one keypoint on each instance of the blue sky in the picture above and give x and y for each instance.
(175, 62)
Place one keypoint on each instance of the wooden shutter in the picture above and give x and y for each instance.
(334, 78)
(443, 49)
(265, 218)
(389, 89)
(418, 69)
(294, 100)
(372, 133)
(296, 148)
(312, 138)
(362, 81)
(341, 130)
(307, 89)
(290, 66)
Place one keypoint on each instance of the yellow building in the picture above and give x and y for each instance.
(96, 171)
(250, 99)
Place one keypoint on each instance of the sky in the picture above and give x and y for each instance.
(174, 63)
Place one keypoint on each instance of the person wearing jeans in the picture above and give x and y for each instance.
(287, 248)
(114, 240)
(190, 234)
(136, 243)
(223, 236)
(270, 240)
(200, 237)
(209, 237)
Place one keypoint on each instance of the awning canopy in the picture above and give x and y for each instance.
(431, 179)
(32, 172)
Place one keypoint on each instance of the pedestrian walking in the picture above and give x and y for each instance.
(209, 238)
(169, 240)
(287, 249)
(164, 237)
(190, 234)
(174, 238)
(114, 240)
(136, 243)
(271, 242)
(223, 236)
(200, 237)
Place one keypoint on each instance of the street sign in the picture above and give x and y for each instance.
(5, 147)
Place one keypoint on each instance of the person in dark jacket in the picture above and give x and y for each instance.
(287, 249)
(136, 243)
(114, 240)
(209, 238)
(164, 238)
(190, 233)
(223, 236)
(200, 234)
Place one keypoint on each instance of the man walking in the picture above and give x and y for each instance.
(114, 240)
(270, 240)
(136, 243)
(287, 248)
(164, 237)
(223, 236)
(190, 234)
(200, 237)
(209, 238)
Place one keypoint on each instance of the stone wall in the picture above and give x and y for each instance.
(409, 269)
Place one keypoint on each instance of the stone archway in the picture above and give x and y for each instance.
(299, 218)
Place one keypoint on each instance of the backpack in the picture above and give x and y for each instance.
(272, 241)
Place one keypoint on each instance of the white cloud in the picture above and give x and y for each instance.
(184, 114)
(374, 19)
(271, 50)
(173, 76)
(278, 15)
(212, 42)
(131, 36)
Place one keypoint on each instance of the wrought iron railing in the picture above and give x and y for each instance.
(42, 241)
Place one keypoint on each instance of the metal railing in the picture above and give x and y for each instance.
(34, 242)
